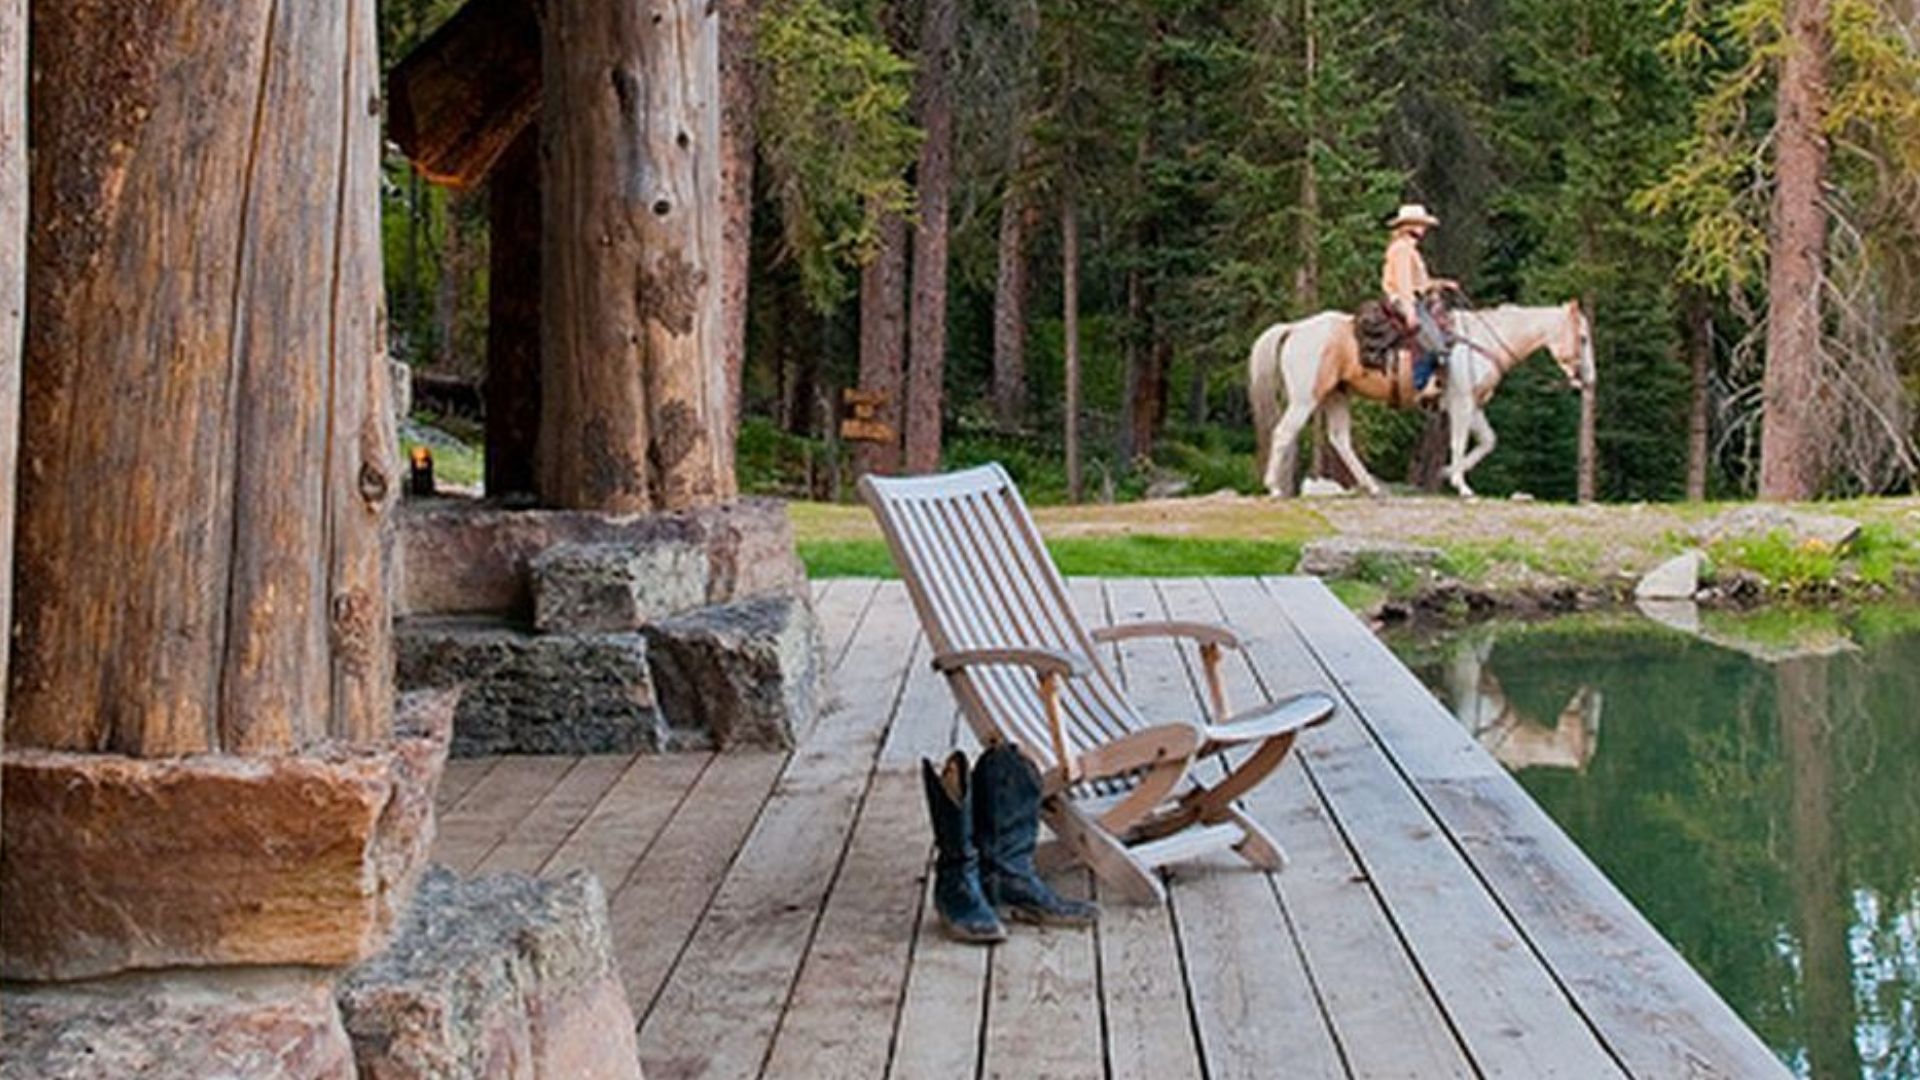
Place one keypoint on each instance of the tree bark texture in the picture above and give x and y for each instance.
(458, 101)
(927, 338)
(634, 409)
(1700, 361)
(883, 343)
(1070, 318)
(1791, 459)
(202, 528)
(737, 106)
(1587, 449)
(13, 285)
(1017, 214)
(513, 319)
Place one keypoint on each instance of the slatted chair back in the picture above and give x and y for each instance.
(981, 578)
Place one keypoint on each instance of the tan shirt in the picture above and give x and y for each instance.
(1405, 274)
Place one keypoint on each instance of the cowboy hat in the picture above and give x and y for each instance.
(1413, 214)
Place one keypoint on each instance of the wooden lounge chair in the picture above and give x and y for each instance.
(1122, 793)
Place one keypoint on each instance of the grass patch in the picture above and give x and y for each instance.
(1102, 556)
(1360, 596)
(1784, 564)
(456, 465)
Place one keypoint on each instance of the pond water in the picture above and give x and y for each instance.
(1753, 786)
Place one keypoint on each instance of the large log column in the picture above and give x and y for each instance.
(210, 454)
(13, 283)
(201, 766)
(634, 413)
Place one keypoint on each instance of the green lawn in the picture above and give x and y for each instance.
(1102, 556)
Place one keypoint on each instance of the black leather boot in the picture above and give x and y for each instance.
(1006, 824)
(964, 912)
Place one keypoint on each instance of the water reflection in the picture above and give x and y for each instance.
(1518, 740)
(1757, 795)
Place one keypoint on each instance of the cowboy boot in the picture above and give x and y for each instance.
(965, 914)
(1006, 824)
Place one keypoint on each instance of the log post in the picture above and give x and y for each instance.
(634, 410)
(13, 283)
(513, 319)
(460, 100)
(202, 768)
(205, 394)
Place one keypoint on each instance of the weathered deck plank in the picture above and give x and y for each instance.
(618, 832)
(718, 1012)
(536, 837)
(494, 806)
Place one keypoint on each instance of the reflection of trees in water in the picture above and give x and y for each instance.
(1766, 816)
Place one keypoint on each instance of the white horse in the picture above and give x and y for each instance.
(1318, 361)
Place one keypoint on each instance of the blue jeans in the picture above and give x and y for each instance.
(1423, 369)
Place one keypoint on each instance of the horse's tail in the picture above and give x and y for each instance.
(1264, 384)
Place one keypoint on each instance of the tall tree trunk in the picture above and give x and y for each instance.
(1792, 462)
(1019, 216)
(1587, 448)
(202, 514)
(883, 343)
(513, 318)
(1070, 317)
(635, 408)
(447, 291)
(1010, 308)
(927, 338)
(1700, 362)
(737, 21)
(1146, 377)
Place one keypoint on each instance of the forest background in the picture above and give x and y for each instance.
(984, 206)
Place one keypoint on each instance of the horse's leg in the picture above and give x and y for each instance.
(1340, 433)
(1483, 443)
(1460, 411)
(1280, 457)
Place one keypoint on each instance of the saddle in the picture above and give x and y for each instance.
(1382, 336)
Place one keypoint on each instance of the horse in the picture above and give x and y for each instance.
(1318, 361)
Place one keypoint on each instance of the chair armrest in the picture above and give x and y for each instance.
(1043, 661)
(1142, 749)
(1204, 633)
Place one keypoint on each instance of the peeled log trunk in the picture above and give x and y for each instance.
(513, 318)
(458, 101)
(634, 412)
(927, 340)
(13, 281)
(1791, 460)
(202, 532)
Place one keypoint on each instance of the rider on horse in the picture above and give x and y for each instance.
(1414, 295)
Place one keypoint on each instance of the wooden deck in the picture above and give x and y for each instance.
(771, 918)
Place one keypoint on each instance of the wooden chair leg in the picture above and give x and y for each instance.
(1258, 845)
(1130, 880)
(1213, 804)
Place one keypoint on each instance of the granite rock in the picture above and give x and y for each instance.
(461, 556)
(614, 588)
(1346, 556)
(1758, 520)
(113, 863)
(738, 675)
(499, 977)
(528, 693)
(229, 1024)
(1676, 579)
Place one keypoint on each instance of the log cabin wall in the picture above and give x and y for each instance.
(13, 284)
(209, 456)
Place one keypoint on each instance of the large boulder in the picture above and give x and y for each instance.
(113, 863)
(528, 693)
(500, 978)
(614, 588)
(1760, 520)
(738, 675)
(229, 1024)
(1350, 556)
(460, 556)
(1676, 579)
